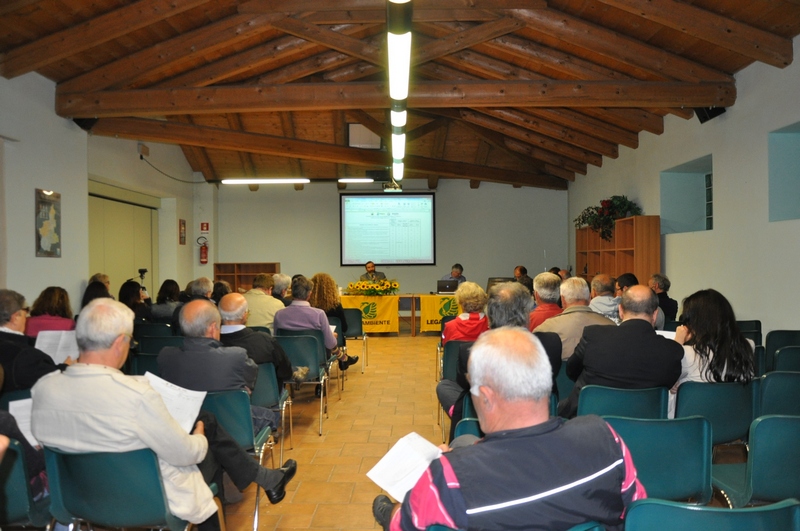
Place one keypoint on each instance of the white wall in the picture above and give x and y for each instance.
(750, 260)
(489, 231)
(50, 154)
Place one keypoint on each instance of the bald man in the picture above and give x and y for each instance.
(628, 356)
(260, 346)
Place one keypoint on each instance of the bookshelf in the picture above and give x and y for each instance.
(240, 275)
(635, 247)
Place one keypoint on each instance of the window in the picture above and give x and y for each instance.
(784, 169)
(687, 197)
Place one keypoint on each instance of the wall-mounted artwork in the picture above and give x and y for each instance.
(48, 223)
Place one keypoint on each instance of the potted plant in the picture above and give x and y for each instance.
(601, 218)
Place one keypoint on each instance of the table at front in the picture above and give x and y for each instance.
(432, 308)
(381, 313)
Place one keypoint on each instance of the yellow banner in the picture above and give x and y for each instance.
(432, 308)
(378, 314)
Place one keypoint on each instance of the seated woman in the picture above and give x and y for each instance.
(130, 294)
(472, 323)
(326, 297)
(167, 300)
(50, 311)
(714, 350)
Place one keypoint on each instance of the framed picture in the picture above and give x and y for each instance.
(182, 231)
(48, 223)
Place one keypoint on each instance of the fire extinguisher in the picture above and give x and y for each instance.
(202, 241)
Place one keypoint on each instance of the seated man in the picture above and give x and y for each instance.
(603, 300)
(628, 356)
(260, 346)
(521, 276)
(456, 273)
(570, 323)
(203, 364)
(22, 364)
(280, 287)
(371, 274)
(261, 303)
(530, 470)
(547, 294)
(660, 284)
(300, 315)
(93, 407)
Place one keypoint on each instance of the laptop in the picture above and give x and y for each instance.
(446, 286)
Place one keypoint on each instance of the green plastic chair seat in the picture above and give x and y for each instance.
(780, 394)
(672, 457)
(563, 382)
(11, 396)
(151, 330)
(154, 344)
(108, 489)
(341, 342)
(751, 330)
(772, 471)
(267, 394)
(355, 330)
(777, 339)
(728, 406)
(17, 507)
(663, 515)
(302, 351)
(649, 403)
(787, 359)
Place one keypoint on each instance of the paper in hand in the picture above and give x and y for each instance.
(400, 469)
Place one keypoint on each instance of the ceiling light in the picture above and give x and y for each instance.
(355, 180)
(266, 181)
(399, 64)
(398, 146)
(397, 170)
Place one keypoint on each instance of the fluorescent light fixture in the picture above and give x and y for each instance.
(399, 118)
(392, 187)
(397, 170)
(398, 146)
(399, 64)
(266, 181)
(355, 180)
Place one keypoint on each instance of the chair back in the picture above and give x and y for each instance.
(649, 403)
(773, 463)
(151, 329)
(553, 405)
(788, 359)
(340, 339)
(145, 362)
(672, 457)
(671, 326)
(109, 489)
(728, 406)
(17, 507)
(777, 339)
(450, 359)
(302, 351)
(446, 319)
(760, 360)
(322, 355)
(563, 382)
(751, 330)
(354, 317)
(468, 426)
(266, 392)
(664, 515)
(780, 393)
(154, 344)
(10, 396)
(261, 329)
(232, 409)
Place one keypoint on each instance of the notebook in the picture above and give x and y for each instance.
(446, 286)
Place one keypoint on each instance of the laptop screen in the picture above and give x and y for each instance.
(446, 286)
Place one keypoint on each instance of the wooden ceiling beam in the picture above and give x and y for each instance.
(9, 6)
(426, 94)
(433, 125)
(196, 156)
(287, 126)
(378, 16)
(709, 27)
(465, 39)
(298, 6)
(235, 124)
(95, 32)
(331, 39)
(164, 55)
(225, 139)
(618, 47)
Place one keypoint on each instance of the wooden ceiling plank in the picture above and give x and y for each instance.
(374, 95)
(588, 125)
(718, 30)
(235, 124)
(547, 156)
(94, 32)
(337, 41)
(433, 125)
(306, 67)
(197, 156)
(9, 6)
(225, 139)
(642, 119)
(465, 39)
(378, 16)
(296, 6)
(618, 47)
(162, 56)
(287, 126)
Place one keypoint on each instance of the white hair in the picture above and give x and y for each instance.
(101, 322)
(575, 289)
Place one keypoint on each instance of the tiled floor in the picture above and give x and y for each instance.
(394, 396)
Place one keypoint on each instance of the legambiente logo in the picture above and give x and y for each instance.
(369, 310)
(448, 306)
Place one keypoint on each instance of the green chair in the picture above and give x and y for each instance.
(468, 426)
(151, 330)
(232, 409)
(728, 406)
(760, 360)
(649, 403)
(671, 326)
(341, 342)
(664, 515)
(751, 330)
(328, 362)
(777, 339)
(11, 396)
(780, 394)
(267, 394)
(563, 382)
(448, 371)
(355, 330)
(302, 351)
(109, 489)
(672, 457)
(264, 329)
(439, 348)
(772, 471)
(553, 405)
(788, 359)
(17, 507)
(145, 360)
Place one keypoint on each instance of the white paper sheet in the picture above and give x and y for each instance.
(58, 344)
(665, 333)
(21, 411)
(400, 469)
(183, 404)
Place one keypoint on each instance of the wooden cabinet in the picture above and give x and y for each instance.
(635, 247)
(240, 275)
